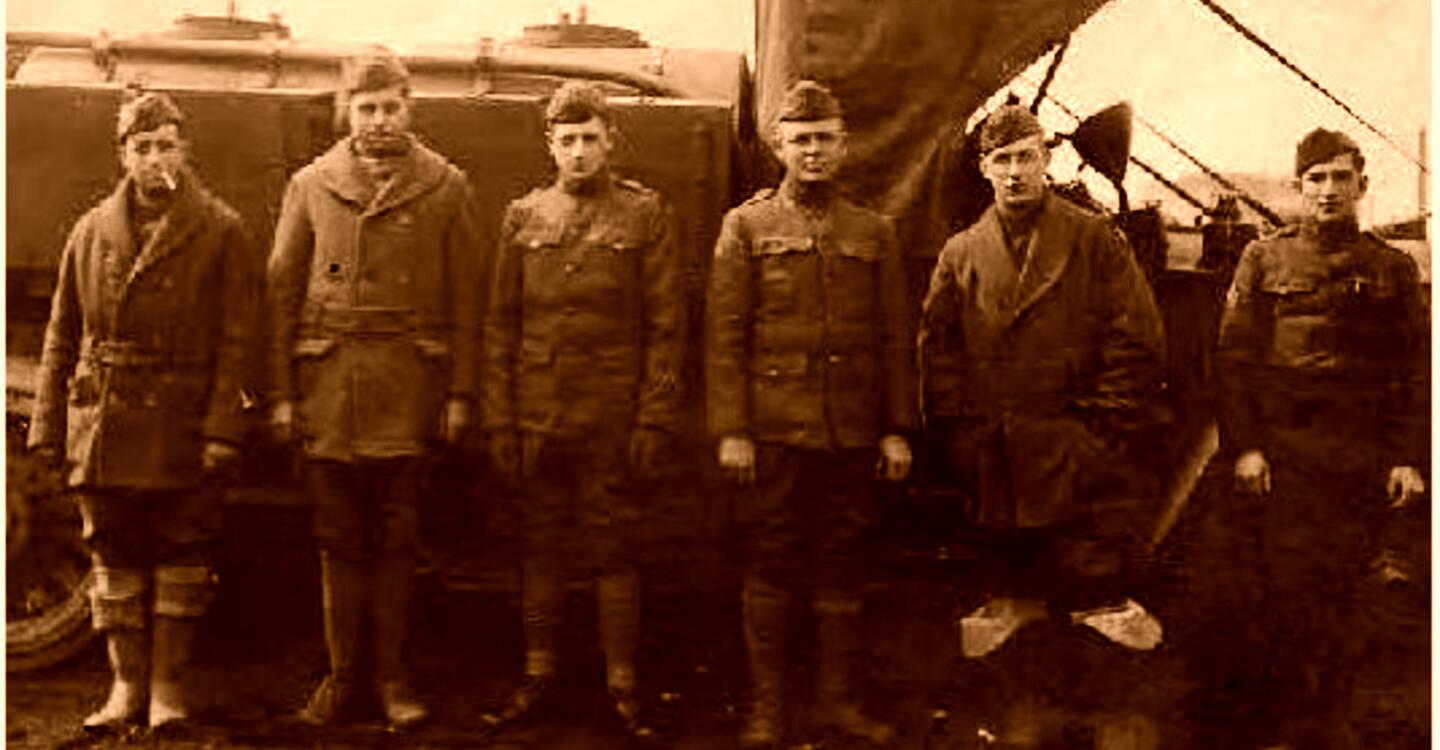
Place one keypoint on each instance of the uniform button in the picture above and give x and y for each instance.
(571, 268)
(773, 372)
(834, 359)
(150, 400)
(534, 244)
(167, 282)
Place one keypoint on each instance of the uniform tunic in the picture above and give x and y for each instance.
(583, 347)
(810, 354)
(1323, 363)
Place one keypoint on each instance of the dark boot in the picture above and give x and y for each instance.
(344, 584)
(390, 609)
(839, 708)
(764, 609)
(617, 597)
(543, 606)
(170, 651)
(129, 652)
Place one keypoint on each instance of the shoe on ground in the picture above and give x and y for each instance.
(528, 701)
(1127, 624)
(849, 720)
(994, 622)
(123, 709)
(329, 704)
(403, 710)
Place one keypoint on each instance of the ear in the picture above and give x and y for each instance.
(1294, 183)
(1363, 182)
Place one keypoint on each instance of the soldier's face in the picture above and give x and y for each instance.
(383, 112)
(581, 149)
(1017, 172)
(154, 159)
(811, 151)
(1331, 191)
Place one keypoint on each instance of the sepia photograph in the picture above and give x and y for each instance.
(760, 374)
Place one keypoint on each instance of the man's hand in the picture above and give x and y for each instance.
(282, 421)
(895, 458)
(455, 422)
(649, 448)
(505, 452)
(737, 458)
(1252, 474)
(1403, 486)
(216, 456)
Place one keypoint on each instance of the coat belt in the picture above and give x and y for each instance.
(365, 321)
(130, 354)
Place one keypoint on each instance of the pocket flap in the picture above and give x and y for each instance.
(433, 348)
(313, 347)
(783, 245)
(782, 364)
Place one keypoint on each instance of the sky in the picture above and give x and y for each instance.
(1183, 70)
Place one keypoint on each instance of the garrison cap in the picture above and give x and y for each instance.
(1007, 125)
(1321, 145)
(373, 71)
(808, 101)
(146, 112)
(576, 102)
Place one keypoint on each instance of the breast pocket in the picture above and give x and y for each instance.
(851, 283)
(783, 263)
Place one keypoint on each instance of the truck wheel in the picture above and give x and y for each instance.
(47, 608)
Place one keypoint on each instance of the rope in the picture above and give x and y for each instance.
(1049, 75)
(1252, 202)
(1254, 38)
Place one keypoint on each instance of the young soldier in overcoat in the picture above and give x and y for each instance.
(1323, 362)
(584, 350)
(1041, 349)
(374, 300)
(142, 386)
(811, 393)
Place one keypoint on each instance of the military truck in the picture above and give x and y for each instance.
(260, 107)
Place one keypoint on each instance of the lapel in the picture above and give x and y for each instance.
(1046, 256)
(341, 173)
(116, 240)
(995, 275)
(181, 221)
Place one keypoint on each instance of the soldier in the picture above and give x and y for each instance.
(1041, 345)
(373, 295)
(811, 393)
(141, 386)
(1323, 366)
(583, 348)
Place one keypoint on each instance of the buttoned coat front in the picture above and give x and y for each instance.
(583, 336)
(373, 299)
(144, 361)
(810, 341)
(1030, 364)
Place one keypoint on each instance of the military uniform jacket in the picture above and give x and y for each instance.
(584, 330)
(374, 303)
(810, 341)
(1323, 355)
(142, 364)
(1028, 363)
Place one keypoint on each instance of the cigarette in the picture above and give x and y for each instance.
(169, 181)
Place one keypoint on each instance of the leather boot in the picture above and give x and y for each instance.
(129, 653)
(617, 596)
(343, 584)
(171, 646)
(390, 610)
(839, 623)
(764, 609)
(543, 606)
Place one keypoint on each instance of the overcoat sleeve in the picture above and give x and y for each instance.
(287, 278)
(232, 382)
(897, 340)
(663, 300)
(1407, 428)
(59, 351)
(941, 344)
(1132, 345)
(463, 249)
(1246, 328)
(730, 317)
(502, 328)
